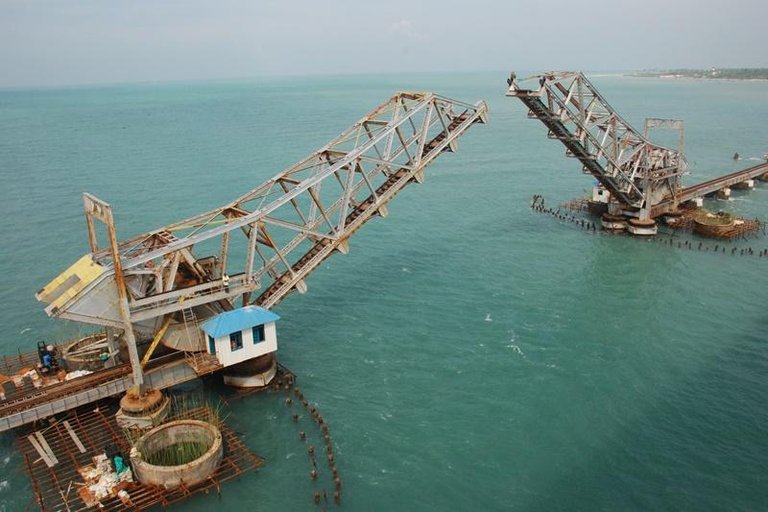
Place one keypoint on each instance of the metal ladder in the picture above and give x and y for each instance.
(192, 327)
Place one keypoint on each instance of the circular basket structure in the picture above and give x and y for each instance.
(84, 353)
(713, 224)
(165, 443)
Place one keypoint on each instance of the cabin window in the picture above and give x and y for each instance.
(236, 341)
(258, 333)
(211, 345)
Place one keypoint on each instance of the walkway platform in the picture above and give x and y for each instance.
(34, 404)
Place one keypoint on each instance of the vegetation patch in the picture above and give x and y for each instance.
(177, 453)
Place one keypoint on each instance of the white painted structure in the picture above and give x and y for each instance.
(600, 195)
(242, 334)
(642, 228)
(613, 222)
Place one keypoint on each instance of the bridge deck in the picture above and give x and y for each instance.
(38, 403)
(713, 185)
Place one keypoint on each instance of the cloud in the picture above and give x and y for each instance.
(406, 28)
(402, 26)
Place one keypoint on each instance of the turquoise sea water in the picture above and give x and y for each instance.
(468, 354)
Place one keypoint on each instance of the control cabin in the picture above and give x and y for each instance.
(242, 334)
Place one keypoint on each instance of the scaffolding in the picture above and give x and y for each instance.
(58, 457)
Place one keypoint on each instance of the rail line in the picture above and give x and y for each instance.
(710, 186)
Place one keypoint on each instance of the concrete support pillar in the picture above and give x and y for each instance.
(744, 185)
(253, 373)
(145, 410)
(642, 227)
(724, 193)
(613, 222)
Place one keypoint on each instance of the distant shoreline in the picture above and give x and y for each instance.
(748, 74)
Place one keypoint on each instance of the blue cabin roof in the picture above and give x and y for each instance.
(238, 320)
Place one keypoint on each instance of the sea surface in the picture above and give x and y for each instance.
(468, 353)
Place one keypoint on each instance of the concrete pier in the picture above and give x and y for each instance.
(143, 411)
(613, 222)
(254, 373)
(744, 185)
(642, 227)
(724, 193)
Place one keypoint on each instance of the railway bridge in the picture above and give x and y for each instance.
(253, 251)
(643, 180)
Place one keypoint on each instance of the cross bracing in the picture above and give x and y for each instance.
(637, 172)
(261, 246)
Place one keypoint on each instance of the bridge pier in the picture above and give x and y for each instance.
(613, 222)
(744, 185)
(724, 193)
(142, 411)
(640, 227)
(253, 373)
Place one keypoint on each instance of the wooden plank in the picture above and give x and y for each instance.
(46, 446)
(74, 437)
(40, 451)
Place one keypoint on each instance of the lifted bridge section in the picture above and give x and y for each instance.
(262, 246)
(637, 172)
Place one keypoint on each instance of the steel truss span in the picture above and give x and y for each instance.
(261, 246)
(637, 172)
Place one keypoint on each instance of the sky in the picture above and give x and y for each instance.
(51, 43)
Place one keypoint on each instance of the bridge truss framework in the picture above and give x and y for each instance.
(261, 246)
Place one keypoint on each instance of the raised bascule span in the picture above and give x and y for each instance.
(254, 250)
(638, 173)
(643, 179)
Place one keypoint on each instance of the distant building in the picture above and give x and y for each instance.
(242, 334)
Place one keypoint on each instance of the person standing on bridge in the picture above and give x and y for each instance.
(225, 281)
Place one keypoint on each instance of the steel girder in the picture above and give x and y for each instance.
(262, 245)
(637, 172)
